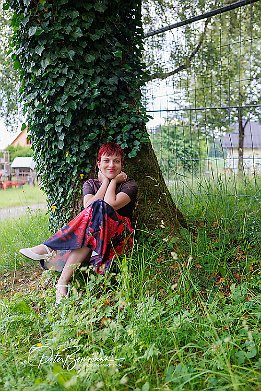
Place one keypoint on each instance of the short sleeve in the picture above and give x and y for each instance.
(88, 188)
(130, 188)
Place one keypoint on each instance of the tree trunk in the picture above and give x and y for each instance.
(155, 206)
(80, 63)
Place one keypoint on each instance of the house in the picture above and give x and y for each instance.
(5, 169)
(22, 139)
(251, 150)
(24, 168)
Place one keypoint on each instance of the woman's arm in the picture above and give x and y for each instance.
(107, 192)
(117, 201)
(89, 198)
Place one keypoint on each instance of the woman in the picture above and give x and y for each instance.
(102, 230)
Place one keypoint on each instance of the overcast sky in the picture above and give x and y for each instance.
(6, 137)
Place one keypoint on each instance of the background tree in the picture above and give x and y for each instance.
(214, 64)
(81, 74)
(9, 78)
(177, 149)
(226, 77)
(19, 151)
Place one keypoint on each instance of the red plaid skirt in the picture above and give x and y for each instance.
(98, 227)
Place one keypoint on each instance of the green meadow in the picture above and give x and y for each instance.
(180, 312)
(25, 195)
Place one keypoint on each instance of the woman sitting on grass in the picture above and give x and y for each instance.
(102, 230)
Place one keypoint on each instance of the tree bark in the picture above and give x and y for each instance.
(155, 206)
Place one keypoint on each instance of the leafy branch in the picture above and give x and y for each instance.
(187, 61)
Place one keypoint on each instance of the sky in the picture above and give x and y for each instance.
(7, 137)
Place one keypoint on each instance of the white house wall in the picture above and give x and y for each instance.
(251, 160)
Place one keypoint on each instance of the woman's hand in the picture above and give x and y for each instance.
(120, 199)
(102, 178)
(121, 177)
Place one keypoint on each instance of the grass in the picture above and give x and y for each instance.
(25, 195)
(178, 313)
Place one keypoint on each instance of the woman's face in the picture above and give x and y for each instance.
(110, 165)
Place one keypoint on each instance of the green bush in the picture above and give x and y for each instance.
(178, 149)
(19, 151)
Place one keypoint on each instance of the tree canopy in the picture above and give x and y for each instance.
(9, 78)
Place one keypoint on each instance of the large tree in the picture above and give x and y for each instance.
(81, 74)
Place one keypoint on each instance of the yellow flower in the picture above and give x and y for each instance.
(53, 207)
(67, 153)
(81, 176)
(39, 345)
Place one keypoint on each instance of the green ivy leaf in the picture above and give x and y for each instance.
(118, 54)
(35, 30)
(77, 33)
(99, 6)
(92, 136)
(60, 144)
(71, 54)
(44, 63)
(17, 64)
(39, 49)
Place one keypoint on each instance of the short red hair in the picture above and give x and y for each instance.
(110, 149)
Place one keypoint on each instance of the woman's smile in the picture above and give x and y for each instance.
(110, 165)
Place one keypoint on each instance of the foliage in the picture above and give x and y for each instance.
(9, 78)
(81, 75)
(167, 60)
(177, 149)
(182, 313)
(19, 151)
(214, 64)
(226, 75)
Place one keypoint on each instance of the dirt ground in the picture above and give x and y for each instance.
(24, 280)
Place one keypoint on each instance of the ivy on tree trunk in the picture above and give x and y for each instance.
(81, 75)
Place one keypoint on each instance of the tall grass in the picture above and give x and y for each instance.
(178, 313)
(21, 232)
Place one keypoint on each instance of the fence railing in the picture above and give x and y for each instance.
(204, 102)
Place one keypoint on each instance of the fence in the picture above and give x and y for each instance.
(204, 101)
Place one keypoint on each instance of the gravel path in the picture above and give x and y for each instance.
(10, 213)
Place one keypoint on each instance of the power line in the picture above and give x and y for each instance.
(208, 14)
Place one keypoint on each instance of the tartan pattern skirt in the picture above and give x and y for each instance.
(98, 227)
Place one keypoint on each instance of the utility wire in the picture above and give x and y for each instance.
(208, 14)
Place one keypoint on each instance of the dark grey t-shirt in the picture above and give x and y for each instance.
(91, 186)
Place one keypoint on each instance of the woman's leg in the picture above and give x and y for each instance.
(75, 259)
